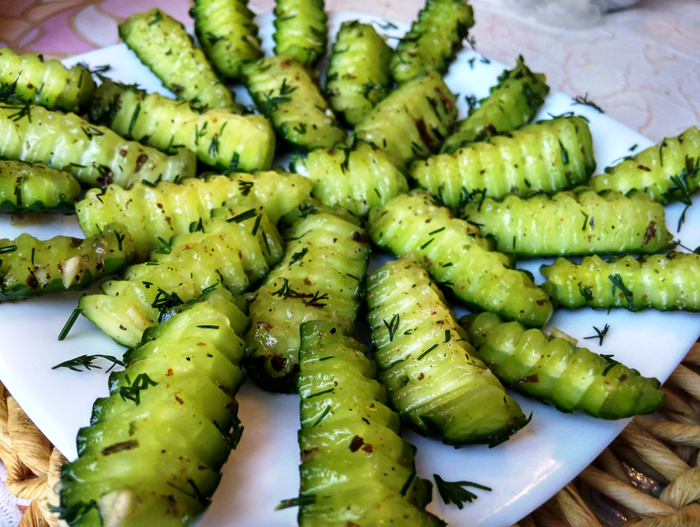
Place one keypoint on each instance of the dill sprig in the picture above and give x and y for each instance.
(611, 363)
(392, 326)
(587, 102)
(600, 334)
(86, 361)
(133, 392)
(300, 501)
(618, 283)
(454, 491)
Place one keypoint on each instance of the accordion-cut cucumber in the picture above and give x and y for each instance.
(666, 283)
(95, 155)
(433, 40)
(46, 83)
(358, 71)
(433, 375)
(555, 371)
(227, 33)
(357, 177)
(161, 43)
(548, 156)
(511, 103)
(320, 277)
(300, 30)
(355, 468)
(31, 267)
(412, 121)
(668, 171)
(456, 256)
(285, 91)
(219, 138)
(574, 222)
(166, 209)
(155, 447)
(234, 250)
(26, 187)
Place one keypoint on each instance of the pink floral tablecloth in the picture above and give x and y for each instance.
(642, 66)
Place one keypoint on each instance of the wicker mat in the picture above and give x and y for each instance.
(649, 476)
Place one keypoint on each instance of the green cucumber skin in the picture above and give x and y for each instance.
(435, 379)
(219, 138)
(511, 104)
(665, 283)
(169, 209)
(227, 33)
(326, 259)
(576, 222)
(161, 43)
(548, 156)
(357, 177)
(433, 40)
(286, 92)
(46, 83)
(555, 371)
(300, 30)
(222, 254)
(654, 170)
(458, 258)
(94, 155)
(358, 71)
(167, 423)
(412, 121)
(26, 187)
(62, 263)
(355, 452)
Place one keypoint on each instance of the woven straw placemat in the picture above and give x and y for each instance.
(649, 476)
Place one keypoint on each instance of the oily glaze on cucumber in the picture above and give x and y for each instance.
(357, 177)
(412, 121)
(227, 33)
(161, 43)
(234, 250)
(669, 171)
(574, 222)
(31, 267)
(219, 138)
(555, 371)
(511, 103)
(155, 447)
(26, 187)
(46, 83)
(285, 92)
(666, 283)
(458, 258)
(94, 155)
(547, 156)
(434, 377)
(433, 40)
(167, 209)
(320, 277)
(300, 30)
(358, 71)
(355, 468)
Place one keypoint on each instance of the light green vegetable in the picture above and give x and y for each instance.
(458, 258)
(161, 43)
(433, 40)
(357, 177)
(286, 92)
(26, 187)
(300, 30)
(358, 71)
(572, 223)
(227, 33)
(412, 121)
(548, 156)
(666, 283)
(434, 377)
(219, 138)
(557, 372)
(355, 468)
(511, 103)
(94, 155)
